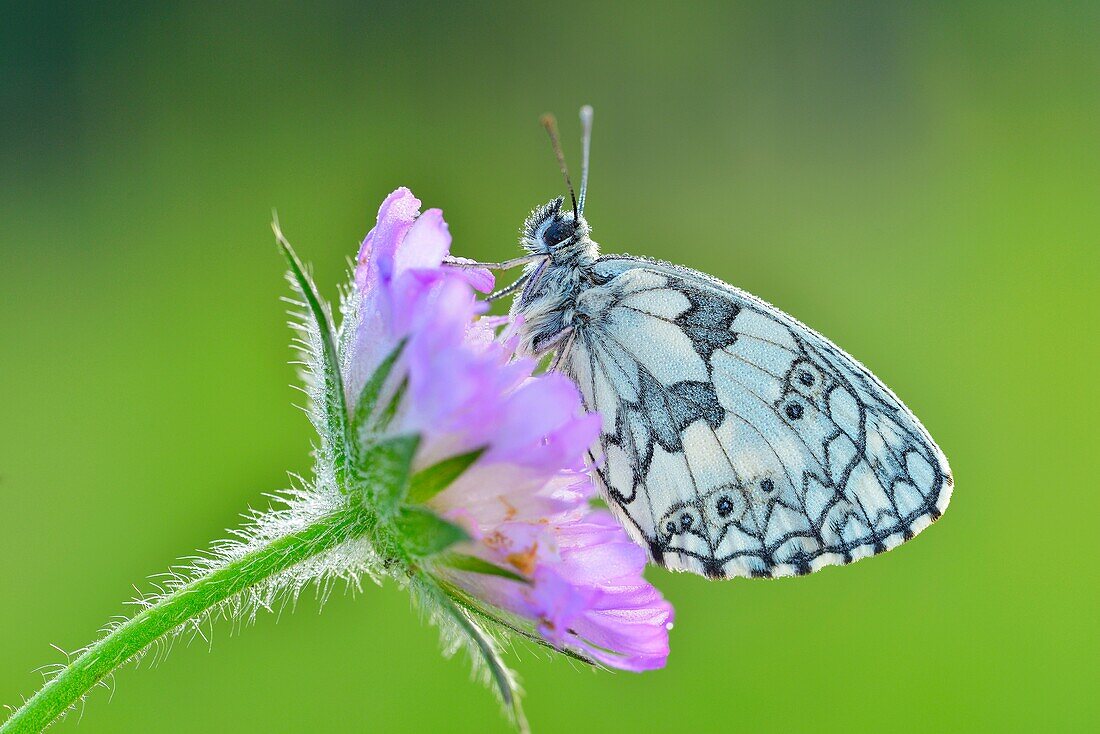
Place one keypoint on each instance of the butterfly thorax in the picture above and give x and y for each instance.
(547, 304)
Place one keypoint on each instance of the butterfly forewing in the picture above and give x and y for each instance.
(737, 441)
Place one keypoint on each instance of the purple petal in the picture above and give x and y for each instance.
(379, 248)
(425, 243)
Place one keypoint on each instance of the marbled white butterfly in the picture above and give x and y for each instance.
(736, 441)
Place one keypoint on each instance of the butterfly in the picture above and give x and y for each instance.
(735, 441)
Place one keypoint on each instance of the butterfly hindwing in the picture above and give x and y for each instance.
(736, 441)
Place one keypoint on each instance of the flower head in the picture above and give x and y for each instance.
(535, 556)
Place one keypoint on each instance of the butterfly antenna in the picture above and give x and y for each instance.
(586, 146)
(551, 124)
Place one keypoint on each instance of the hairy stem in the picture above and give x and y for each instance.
(177, 608)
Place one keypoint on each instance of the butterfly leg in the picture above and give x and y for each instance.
(508, 289)
(515, 262)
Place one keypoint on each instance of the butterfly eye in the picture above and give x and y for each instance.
(558, 231)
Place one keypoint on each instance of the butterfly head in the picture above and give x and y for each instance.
(559, 234)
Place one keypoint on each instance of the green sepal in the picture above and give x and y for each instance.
(385, 416)
(471, 624)
(372, 390)
(335, 407)
(427, 483)
(473, 564)
(498, 671)
(384, 469)
(425, 534)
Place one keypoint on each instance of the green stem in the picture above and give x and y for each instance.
(182, 605)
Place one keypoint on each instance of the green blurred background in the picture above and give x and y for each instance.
(921, 183)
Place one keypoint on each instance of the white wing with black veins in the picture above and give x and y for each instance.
(737, 441)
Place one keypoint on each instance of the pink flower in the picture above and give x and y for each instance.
(571, 575)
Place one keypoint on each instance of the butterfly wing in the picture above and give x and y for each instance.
(737, 441)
